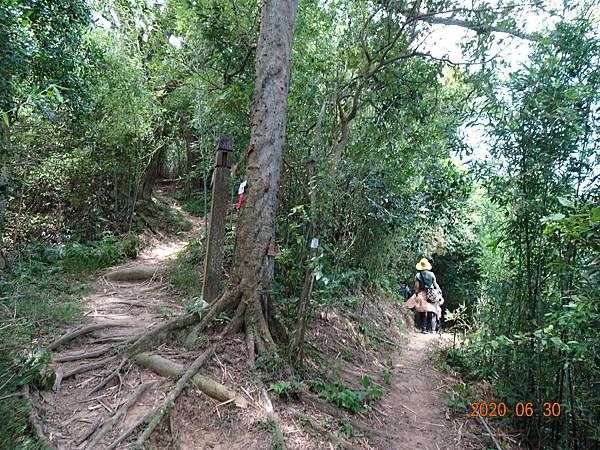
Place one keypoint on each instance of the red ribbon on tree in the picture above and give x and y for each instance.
(241, 192)
(240, 201)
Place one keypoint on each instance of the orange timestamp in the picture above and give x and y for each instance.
(521, 409)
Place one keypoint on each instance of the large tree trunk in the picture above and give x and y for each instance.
(252, 274)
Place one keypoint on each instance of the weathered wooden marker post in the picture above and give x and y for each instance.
(218, 215)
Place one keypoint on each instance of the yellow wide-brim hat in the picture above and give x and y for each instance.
(423, 265)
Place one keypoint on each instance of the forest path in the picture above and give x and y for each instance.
(416, 407)
(76, 409)
(143, 302)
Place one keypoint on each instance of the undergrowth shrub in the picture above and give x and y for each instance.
(287, 388)
(107, 252)
(194, 203)
(37, 296)
(341, 394)
(186, 270)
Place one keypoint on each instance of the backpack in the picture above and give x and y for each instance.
(425, 278)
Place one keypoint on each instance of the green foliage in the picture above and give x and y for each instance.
(16, 371)
(30, 65)
(196, 305)
(458, 397)
(287, 388)
(270, 427)
(536, 314)
(223, 318)
(270, 366)
(186, 270)
(459, 319)
(107, 252)
(37, 296)
(194, 204)
(354, 400)
(92, 115)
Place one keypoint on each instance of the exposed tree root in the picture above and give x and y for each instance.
(35, 423)
(146, 339)
(226, 302)
(164, 367)
(130, 431)
(135, 273)
(237, 322)
(104, 340)
(110, 422)
(322, 432)
(87, 367)
(273, 419)
(323, 406)
(82, 331)
(167, 404)
(82, 355)
(114, 373)
(85, 436)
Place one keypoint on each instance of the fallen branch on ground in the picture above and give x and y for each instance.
(167, 368)
(489, 431)
(85, 330)
(170, 399)
(85, 436)
(110, 422)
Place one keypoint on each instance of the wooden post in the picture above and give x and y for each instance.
(218, 214)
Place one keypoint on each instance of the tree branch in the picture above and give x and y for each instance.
(479, 28)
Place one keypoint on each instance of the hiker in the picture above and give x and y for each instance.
(404, 290)
(427, 299)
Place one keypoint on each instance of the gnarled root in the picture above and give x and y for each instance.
(166, 368)
(82, 355)
(170, 399)
(87, 367)
(130, 431)
(144, 340)
(227, 301)
(258, 335)
(82, 331)
(110, 422)
(136, 273)
(114, 373)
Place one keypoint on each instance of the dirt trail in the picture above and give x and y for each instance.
(413, 407)
(417, 409)
(75, 409)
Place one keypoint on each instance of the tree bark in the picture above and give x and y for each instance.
(256, 222)
(151, 173)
